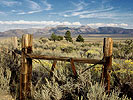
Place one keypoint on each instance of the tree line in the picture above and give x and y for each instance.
(67, 37)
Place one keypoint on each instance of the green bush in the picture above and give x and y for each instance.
(67, 49)
(59, 38)
(55, 37)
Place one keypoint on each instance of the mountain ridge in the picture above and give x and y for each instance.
(63, 29)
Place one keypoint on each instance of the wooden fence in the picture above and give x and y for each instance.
(27, 56)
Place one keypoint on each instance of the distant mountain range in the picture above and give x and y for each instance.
(63, 29)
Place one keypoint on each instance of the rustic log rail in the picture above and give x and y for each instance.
(80, 60)
(27, 56)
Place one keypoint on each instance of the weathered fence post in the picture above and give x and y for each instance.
(26, 68)
(14, 42)
(107, 66)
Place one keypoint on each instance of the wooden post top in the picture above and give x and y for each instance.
(27, 40)
(108, 45)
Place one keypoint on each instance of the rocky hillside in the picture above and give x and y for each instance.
(63, 29)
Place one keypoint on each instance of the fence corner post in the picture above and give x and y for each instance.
(26, 68)
(107, 66)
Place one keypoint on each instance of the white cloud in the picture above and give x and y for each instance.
(108, 24)
(35, 11)
(76, 23)
(22, 22)
(21, 13)
(105, 15)
(10, 3)
(82, 10)
(33, 5)
(31, 12)
(13, 11)
(36, 7)
(48, 5)
(90, 14)
(79, 6)
(68, 13)
(123, 24)
(93, 11)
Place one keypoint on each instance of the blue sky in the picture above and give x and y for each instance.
(41, 13)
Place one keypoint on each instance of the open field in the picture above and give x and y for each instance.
(62, 86)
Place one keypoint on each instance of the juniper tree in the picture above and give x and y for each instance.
(80, 38)
(68, 36)
(53, 37)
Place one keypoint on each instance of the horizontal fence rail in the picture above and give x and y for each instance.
(79, 60)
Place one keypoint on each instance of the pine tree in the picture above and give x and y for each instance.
(68, 36)
(80, 38)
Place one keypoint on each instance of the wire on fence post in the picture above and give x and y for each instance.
(26, 68)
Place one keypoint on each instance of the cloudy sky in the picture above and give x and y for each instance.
(41, 13)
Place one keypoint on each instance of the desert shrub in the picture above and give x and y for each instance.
(92, 53)
(67, 49)
(59, 38)
(115, 44)
(5, 75)
(43, 40)
(124, 50)
(123, 69)
(97, 44)
(96, 92)
(9, 70)
(63, 86)
(38, 45)
(68, 88)
(84, 45)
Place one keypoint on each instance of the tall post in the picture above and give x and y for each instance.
(14, 42)
(26, 68)
(107, 66)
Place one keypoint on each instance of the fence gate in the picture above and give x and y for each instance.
(27, 56)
